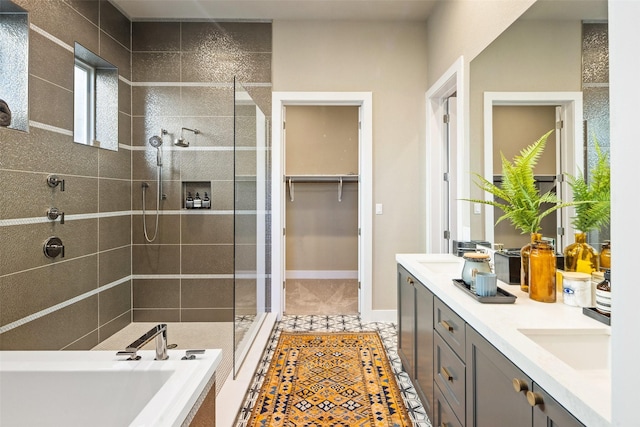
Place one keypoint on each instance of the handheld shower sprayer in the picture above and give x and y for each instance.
(156, 141)
(181, 142)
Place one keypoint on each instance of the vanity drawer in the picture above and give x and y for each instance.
(443, 415)
(450, 376)
(450, 326)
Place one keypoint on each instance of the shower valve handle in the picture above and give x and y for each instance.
(53, 247)
(54, 213)
(53, 181)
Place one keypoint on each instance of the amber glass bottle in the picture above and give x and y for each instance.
(524, 262)
(580, 256)
(542, 272)
(605, 256)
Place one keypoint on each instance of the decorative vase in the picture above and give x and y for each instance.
(542, 272)
(605, 256)
(580, 256)
(524, 262)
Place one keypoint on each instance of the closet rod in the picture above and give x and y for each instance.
(322, 178)
(290, 179)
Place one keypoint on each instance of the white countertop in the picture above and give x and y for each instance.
(586, 393)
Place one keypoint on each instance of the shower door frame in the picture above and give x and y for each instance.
(365, 192)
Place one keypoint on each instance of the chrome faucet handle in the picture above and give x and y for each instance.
(54, 181)
(54, 213)
(132, 354)
(191, 354)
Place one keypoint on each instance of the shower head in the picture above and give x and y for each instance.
(155, 141)
(181, 142)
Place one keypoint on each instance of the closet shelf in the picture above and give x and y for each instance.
(291, 179)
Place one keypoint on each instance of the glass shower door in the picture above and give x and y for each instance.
(250, 225)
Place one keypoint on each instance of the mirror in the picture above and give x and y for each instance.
(543, 51)
(95, 100)
(14, 63)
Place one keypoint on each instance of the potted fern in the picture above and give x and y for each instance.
(521, 202)
(592, 212)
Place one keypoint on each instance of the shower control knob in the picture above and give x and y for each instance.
(53, 181)
(54, 213)
(53, 247)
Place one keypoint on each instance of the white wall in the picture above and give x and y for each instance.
(389, 60)
(624, 63)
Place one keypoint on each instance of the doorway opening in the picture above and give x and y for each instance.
(321, 149)
(347, 185)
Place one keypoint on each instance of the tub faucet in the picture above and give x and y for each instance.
(159, 332)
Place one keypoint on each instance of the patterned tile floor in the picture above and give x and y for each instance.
(337, 323)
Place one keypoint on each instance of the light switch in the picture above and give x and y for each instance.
(477, 208)
(378, 208)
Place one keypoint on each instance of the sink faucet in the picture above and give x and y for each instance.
(159, 332)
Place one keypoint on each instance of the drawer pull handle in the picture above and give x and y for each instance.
(446, 325)
(520, 385)
(446, 374)
(410, 280)
(534, 398)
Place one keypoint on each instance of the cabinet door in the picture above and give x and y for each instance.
(424, 347)
(493, 398)
(406, 321)
(547, 412)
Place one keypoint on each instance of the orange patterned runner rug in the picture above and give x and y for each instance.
(329, 379)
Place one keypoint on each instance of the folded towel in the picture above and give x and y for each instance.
(5, 114)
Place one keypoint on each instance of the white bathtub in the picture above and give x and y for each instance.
(98, 388)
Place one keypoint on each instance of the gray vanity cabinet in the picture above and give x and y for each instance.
(406, 321)
(498, 393)
(492, 383)
(424, 347)
(548, 412)
(415, 335)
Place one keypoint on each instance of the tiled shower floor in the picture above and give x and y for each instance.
(337, 323)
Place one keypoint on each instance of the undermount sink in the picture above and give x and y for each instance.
(582, 349)
(445, 266)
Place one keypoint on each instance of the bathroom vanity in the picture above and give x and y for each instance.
(524, 363)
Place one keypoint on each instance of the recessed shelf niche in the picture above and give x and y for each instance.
(201, 189)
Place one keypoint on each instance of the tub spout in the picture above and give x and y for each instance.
(159, 332)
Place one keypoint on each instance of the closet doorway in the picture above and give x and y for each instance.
(321, 233)
(350, 185)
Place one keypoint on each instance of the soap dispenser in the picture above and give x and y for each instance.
(189, 201)
(197, 201)
(206, 202)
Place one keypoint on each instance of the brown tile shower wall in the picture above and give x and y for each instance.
(182, 77)
(97, 186)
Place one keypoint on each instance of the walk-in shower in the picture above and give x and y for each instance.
(156, 142)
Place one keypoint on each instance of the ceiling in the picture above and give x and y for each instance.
(267, 10)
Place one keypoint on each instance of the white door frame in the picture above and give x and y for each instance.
(452, 81)
(365, 190)
(571, 157)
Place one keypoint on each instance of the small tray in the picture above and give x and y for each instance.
(595, 314)
(502, 297)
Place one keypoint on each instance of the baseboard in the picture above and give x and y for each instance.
(381, 316)
(321, 274)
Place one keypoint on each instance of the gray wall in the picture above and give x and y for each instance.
(182, 73)
(97, 191)
(77, 301)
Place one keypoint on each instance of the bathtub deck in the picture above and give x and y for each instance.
(187, 336)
